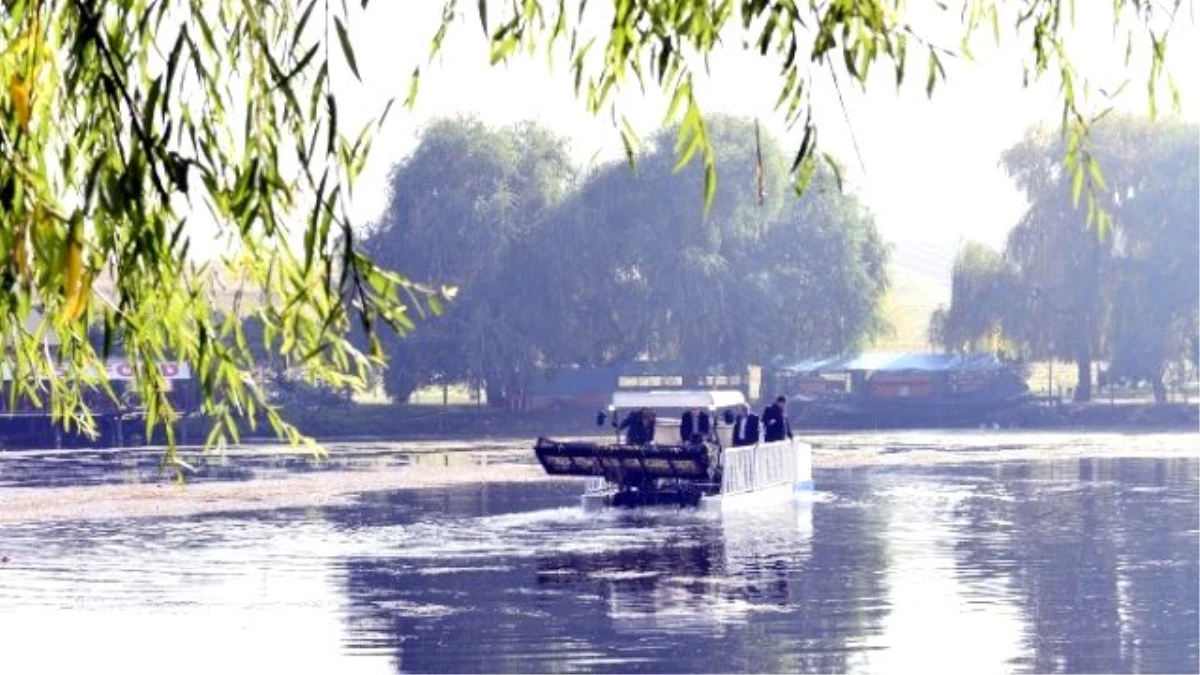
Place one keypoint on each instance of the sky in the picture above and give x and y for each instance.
(929, 167)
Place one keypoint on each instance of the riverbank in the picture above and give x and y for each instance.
(469, 422)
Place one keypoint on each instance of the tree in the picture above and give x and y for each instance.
(986, 295)
(1142, 269)
(1064, 267)
(1157, 288)
(463, 211)
(752, 276)
(1060, 291)
(816, 278)
(125, 123)
(119, 133)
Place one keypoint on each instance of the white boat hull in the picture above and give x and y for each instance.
(751, 476)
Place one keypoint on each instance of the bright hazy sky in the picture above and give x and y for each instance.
(931, 171)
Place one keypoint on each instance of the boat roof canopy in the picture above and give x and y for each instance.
(710, 399)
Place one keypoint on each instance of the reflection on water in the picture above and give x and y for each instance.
(1074, 566)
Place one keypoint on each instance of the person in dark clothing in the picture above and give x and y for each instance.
(635, 423)
(745, 428)
(775, 420)
(649, 419)
(694, 426)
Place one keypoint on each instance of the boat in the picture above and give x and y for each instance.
(706, 473)
(881, 389)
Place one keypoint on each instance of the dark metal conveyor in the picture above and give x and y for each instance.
(625, 465)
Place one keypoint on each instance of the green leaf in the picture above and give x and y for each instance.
(935, 68)
(1077, 187)
(347, 50)
(503, 48)
(173, 59)
(683, 91)
(384, 115)
(789, 86)
(332, 117)
(689, 139)
(805, 144)
(629, 140)
(710, 178)
(836, 168)
(1097, 175)
(305, 59)
(151, 102)
(413, 84)
(318, 88)
(299, 31)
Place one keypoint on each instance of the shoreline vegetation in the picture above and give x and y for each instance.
(392, 423)
(418, 422)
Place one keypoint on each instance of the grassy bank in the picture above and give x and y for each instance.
(461, 422)
(468, 422)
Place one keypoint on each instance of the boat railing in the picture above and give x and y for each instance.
(754, 467)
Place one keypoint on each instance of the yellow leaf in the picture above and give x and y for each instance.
(79, 302)
(73, 269)
(18, 45)
(40, 221)
(18, 89)
(19, 256)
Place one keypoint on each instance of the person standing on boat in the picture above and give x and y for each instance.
(635, 422)
(694, 426)
(649, 419)
(745, 428)
(776, 422)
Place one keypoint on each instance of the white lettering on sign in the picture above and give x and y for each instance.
(118, 370)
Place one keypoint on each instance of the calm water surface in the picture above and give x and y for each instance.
(1082, 565)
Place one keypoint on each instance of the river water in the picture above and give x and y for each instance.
(1000, 556)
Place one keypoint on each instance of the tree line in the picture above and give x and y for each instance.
(1126, 292)
(556, 266)
(124, 123)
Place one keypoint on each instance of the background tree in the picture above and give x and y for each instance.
(1064, 268)
(1129, 295)
(987, 297)
(753, 276)
(464, 210)
(624, 265)
(1157, 288)
(820, 273)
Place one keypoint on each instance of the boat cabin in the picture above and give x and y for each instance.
(721, 405)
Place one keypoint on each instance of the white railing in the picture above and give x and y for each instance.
(754, 467)
(594, 484)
